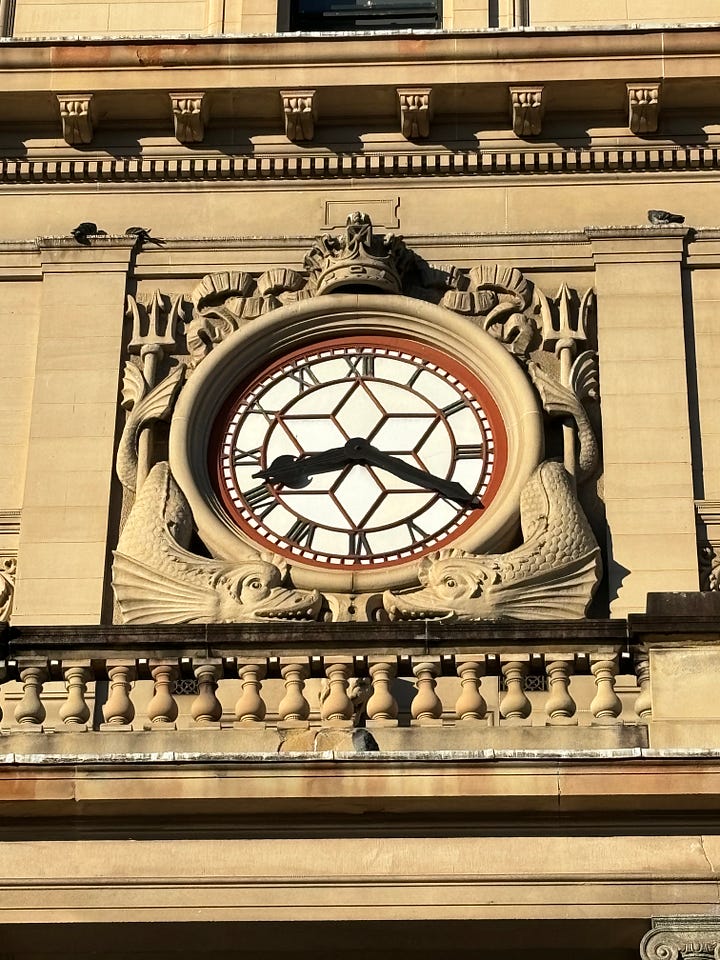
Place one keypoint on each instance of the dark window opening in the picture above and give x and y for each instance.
(339, 15)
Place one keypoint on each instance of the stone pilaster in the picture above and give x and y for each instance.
(646, 432)
(63, 541)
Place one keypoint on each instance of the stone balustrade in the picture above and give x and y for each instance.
(482, 677)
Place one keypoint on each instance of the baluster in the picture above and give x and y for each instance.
(293, 707)
(206, 709)
(250, 708)
(337, 708)
(515, 707)
(643, 704)
(162, 710)
(75, 711)
(560, 706)
(382, 708)
(30, 712)
(119, 710)
(471, 704)
(426, 707)
(606, 706)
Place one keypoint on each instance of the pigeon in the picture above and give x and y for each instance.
(142, 235)
(659, 217)
(83, 231)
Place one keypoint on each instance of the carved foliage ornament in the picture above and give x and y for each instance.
(380, 451)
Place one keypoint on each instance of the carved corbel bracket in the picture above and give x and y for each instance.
(415, 107)
(299, 109)
(190, 114)
(682, 938)
(76, 117)
(526, 107)
(643, 107)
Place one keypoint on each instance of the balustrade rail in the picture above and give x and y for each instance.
(425, 681)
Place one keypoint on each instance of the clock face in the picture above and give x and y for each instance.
(359, 452)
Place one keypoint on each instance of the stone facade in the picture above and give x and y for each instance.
(477, 269)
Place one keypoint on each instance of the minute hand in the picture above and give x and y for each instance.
(405, 471)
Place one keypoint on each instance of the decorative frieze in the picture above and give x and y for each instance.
(76, 118)
(189, 111)
(415, 106)
(299, 109)
(643, 107)
(526, 107)
(376, 166)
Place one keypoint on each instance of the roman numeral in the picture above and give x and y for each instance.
(470, 451)
(416, 533)
(305, 377)
(247, 458)
(452, 408)
(361, 364)
(260, 500)
(302, 533)
(358, 544)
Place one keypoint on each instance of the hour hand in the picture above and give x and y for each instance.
(295, 472)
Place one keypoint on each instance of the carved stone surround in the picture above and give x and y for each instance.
(511, 335)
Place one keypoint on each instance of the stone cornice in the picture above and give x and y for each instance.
(130, 80)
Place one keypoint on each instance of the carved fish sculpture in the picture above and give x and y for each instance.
(157, 580)
(551, 576)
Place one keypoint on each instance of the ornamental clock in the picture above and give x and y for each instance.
(359, 452)
(353, 435)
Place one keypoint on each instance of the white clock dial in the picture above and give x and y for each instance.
(354, 454)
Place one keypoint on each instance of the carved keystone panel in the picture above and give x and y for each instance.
(299, 113)
(643, 107)
(526, 107)
(189, 112)
(415, 105)
(76, 118)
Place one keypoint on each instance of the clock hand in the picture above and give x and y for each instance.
(295, 472)
(364, 452)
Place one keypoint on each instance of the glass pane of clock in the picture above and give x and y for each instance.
(318, 508)
(436, 389)
(279, 394)
(435, 452)
(359, 414)
(358, 492)
(309, 436)
(402, 433)
(394, 399)
(397, 506)
(318, 399)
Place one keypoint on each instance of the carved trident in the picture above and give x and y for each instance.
(566, 336)
(153, 334)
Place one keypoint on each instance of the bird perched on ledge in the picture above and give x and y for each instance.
(142, 235)
(663, 217)
(83, 232)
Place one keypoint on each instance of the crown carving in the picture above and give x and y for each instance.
(358, 258)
